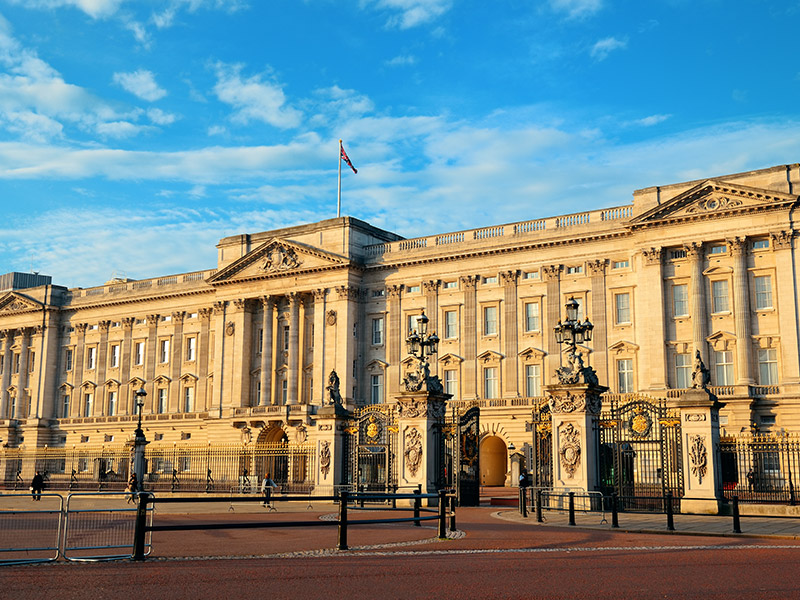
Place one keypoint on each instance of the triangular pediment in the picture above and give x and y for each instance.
(531, 353)
(14, 302)
(276, 258)
(714, 198)
(623, 347)
(450, 358)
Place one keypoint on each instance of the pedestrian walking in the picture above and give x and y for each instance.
(130, 491)
(37, 485)
(267, 485)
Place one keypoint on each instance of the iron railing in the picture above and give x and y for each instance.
(760, 468)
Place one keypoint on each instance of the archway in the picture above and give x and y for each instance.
(271, 454)
(493, 461)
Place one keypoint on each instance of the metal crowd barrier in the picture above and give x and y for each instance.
(30, 531)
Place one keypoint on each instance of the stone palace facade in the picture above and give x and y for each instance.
(246, 349)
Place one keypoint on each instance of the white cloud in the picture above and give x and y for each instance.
(652, 120)
(140, 83)
(254, 98)
(606, 46)
(412, 13)
(32, 126)
(159, 117)
(217, 130)
(403, 60)
(576, 8)
(118, 129)
(97, 9)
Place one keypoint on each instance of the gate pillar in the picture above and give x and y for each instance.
(331, 454)
(702, 470)
(420, 416)
(699, 410)
(574, 409)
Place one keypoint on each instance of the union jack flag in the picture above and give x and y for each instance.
(343, 156)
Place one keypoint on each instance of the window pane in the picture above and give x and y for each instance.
(490, 382)
(450, 383)
(768, 366)
(680, 300)
(720, 295)
(532, 316)
(622, 304)
(724, 367)
(625, 375)
(490, 320)
(377, 330)
(533, 380)
(377, 389)
(763, 291)
(683, 371)
(450, 324)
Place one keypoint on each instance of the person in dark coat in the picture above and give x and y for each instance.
(37, 485)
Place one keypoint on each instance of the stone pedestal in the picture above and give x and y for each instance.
(574, 408)
(419, 416)
(702, 474)
(329, 448)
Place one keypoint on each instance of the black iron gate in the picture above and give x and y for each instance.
(461, 466)
(371, 449)
(640, 454)
(540, 463)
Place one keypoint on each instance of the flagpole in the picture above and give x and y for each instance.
(339, 200)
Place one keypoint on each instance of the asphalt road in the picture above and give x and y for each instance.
(495, 558)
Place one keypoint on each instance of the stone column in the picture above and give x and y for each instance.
(419, 416)
(80, 350)
(431, 291)
(509, 332)
(22, 378)
(699, 316)
(7, 338)
(268, 305)
(150, 361)
(218, 366)
(552, 275)
(574, 408)
(699, 410)
(395, 338)
(650, 303)
(318, 373)
(294, 348)
(125, 390)
(32, 372)
(330, 448)
(101, 407)
(741, 312)
(469, 336)
(786, 288)
(176, 362)
(597, 312)
(240, 352)
(203, 359)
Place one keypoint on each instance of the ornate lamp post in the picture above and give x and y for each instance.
(571, 332)
(421, 346)
(139, 441)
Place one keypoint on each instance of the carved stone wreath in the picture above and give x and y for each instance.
(413, 451)
(569, 403)
(325, 458)
(330, 318)
(698, 456)
(413, 408)
(570, 450)
(714, 203)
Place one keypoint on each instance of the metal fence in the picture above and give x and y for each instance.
(30, 531)
(760, 468)
(172, 468)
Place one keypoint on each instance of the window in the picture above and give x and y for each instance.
(413, 289)
(532, 316)
(12, 411)
(138, 353)
(162, 400)
(412, 323)
(259, 343)
(620, 264)
(377, 293)
(88, 402)
(377, 331)
(719, 249)
(680, 300)
(723, 368)
(490, 386)
(112, 403)
(763, 285)
(31, 361)
(450, 285)
(574, 270)
(530, 275)
(91, 357)
(284, 391)
(16, 363)
(376, 389)
(65, 406)
(166, 319)
(683, 371)
(622, 307)
(258, 392)
(625, 375)
(450, 324)
(191, 348)
(68, 359)
(113, 358)
(719, 296)
(188, 398)
(533, 381)
(674, 254)
(286, 338)
(490, 279)
(760, 244)
(767, 366)
(163, 351)
(489, 320)
(451, 383)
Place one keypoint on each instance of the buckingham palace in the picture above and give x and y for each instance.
(246, 351)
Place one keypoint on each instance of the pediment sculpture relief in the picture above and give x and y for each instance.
(280, 258)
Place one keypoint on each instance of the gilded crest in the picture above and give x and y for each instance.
(640, 423)
(373, 429)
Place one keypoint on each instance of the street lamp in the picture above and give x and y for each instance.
(571, 332)
(139, 441)
(420, 345)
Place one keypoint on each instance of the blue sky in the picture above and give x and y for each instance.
(135, 134)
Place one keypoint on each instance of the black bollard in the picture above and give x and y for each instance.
(417, 493)
(670, 517)
(523, 501)
(342, 545)
(452, 496)
(140, 527)
(442, 514)
(539, 518)
(737, 526)
(572, 508)
(614, 511)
